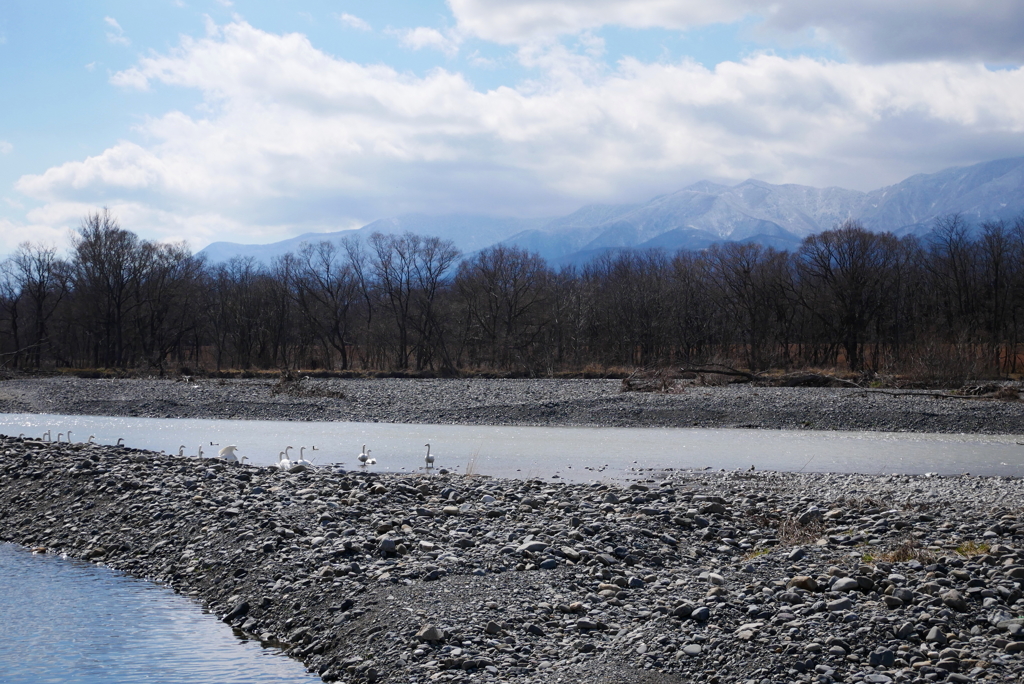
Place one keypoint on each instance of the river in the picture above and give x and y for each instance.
(572, 454)
(71, 622)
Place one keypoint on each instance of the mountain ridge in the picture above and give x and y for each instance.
(705, 212)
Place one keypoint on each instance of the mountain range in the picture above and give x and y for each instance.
(704, 213)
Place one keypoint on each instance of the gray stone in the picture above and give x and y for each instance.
(700, 614)
(846, 584)
(531, 547)
(430, 634)
(839, 605)
(955, 600)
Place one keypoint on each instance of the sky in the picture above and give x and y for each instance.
(252, 122)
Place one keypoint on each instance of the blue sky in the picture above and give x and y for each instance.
(250, 121)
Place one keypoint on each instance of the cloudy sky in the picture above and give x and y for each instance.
(255, 121)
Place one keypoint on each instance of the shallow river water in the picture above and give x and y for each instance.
(573, 454)
(72, 622)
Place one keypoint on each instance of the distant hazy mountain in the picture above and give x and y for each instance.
(982, 192)
(470, 233)
(704, 213)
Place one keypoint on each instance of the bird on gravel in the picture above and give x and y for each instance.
(282, 462)
(301, 460)
(228, 453)
(429, 458)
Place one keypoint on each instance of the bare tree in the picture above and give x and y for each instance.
(326, 289)
(42, 278)
(505, 293)
(847, 273)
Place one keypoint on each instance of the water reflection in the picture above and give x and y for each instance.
(574, 454)
(71, 622)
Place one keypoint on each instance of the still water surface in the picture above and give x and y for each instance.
(574, 454)
(71, 622)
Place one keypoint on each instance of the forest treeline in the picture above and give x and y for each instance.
(945, 306)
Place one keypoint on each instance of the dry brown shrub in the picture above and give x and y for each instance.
(792, 532)
(907, 549)
(304, 386)
(661, 380)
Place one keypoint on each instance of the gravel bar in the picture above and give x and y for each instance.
(595, 403)
(679, 576)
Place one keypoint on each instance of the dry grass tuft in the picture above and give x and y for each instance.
(906, 550)
(972, 548)
(472, 467)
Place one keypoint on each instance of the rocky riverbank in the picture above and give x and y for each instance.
(599, 403)
(687, 576)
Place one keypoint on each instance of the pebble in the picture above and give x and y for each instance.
(365, 577)
(484, 401)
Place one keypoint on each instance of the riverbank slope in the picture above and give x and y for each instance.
(693, 576)
(597, 403)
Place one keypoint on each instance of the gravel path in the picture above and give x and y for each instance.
(512, 402)
(716, 577)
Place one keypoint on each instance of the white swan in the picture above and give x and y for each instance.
(181, 450)
(59, 435)
(120, 441)
(200, 453)
(228, 453)
(429, 458)
(282, 461)
(364, 458)
(91, 438)
(301, 460)
(300, 464)
(69, 436)
(48, 436)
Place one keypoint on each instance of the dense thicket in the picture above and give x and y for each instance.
(949, 305)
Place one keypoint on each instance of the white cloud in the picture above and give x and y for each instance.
(13, 234)
(869, 30)
(91, 66)
(521, 21)
(355, 22)
(293, 139)
(116, 36)
(426, 37)
(6, 147)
